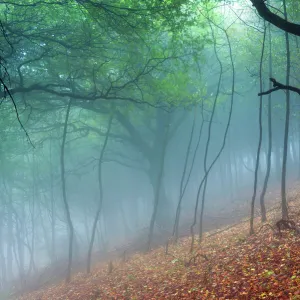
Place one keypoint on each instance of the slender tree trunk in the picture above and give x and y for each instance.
(226, 128)
(181, 189)
(259, 139)
(269, 152)
(100, 195)
(208, 144)
(64, 194)
(284, 206)
(192, 165)
(32, 208)
(158, 185)
(206, 148)
(52, 203)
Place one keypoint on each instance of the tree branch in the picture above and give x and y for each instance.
(279, 86)
(66, 93)
(274, 19)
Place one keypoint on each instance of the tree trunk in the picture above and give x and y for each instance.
(53, 216)
(158, 185)
(269, 152)
(204, 179)
(259, 139)
(207, 170)
(100, 195)
(181, 188)
(64, 194)
(286, 127)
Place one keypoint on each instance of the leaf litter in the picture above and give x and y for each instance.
(228, 264)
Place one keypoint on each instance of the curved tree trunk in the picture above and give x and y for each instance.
(181, 189)
(100, 193)
(204, 179)
(227, 125)
(177, 219)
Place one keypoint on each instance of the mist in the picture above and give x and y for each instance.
(119, 135)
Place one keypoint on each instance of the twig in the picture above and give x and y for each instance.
(266, 225)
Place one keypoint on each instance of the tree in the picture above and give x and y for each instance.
(65, 200)
(259, 139)
(287, 122)
(99, 209)
(267, 175)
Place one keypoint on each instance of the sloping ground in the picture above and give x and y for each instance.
(233, 214)
(228, 265)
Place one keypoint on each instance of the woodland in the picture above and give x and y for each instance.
(136, 136)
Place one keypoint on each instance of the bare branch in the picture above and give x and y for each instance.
(274, 19)
(279, 86)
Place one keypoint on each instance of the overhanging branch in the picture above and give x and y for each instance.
(279, 86)
(274, 19)
(65, 93)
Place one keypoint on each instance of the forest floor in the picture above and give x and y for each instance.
(229, 264)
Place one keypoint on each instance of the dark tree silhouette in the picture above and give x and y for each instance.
(259, 140)
(65, 200)
(269, 151)
(282, 23)
(99, 209)
(287, 123)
